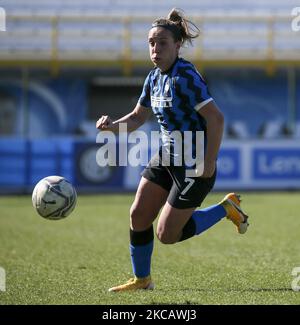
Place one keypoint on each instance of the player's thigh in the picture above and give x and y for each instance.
(171, 222)
(149, 199)
(188, 192)
(185, 196)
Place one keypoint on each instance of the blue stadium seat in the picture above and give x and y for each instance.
(272, 129)
(132, 6)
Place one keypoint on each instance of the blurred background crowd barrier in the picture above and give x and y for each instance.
(65, 63)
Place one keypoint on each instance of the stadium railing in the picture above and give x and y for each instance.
(235, 39)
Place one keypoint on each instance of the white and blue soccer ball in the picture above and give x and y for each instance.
(54, 197)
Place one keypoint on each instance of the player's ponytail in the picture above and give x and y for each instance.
(182, 29)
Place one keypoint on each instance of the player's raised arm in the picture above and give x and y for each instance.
(134, 120)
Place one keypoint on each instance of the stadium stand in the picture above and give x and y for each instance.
(115, 30)
(272, 129)
(132, 6)
(82, 58)
(238, 129)
(111, 33)
(297, 130)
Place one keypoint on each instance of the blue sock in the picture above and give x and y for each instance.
(141, 259)
(201, 220)
(205, 218)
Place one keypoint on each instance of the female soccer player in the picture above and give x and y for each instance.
(179, 98)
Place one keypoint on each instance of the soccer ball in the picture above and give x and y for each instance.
(54, 197)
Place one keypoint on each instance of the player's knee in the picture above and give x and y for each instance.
(134, 213)
(136, 217)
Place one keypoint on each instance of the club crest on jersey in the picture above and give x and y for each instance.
(161, 102)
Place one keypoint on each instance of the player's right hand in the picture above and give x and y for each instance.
(104, 123)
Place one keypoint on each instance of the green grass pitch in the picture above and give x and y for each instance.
(75, 260)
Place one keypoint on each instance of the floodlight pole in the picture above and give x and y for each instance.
(25, 101)
(292, 97)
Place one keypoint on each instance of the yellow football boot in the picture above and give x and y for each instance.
(134, 284)
(231, 203)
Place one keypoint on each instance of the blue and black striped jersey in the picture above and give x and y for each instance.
(175, 97)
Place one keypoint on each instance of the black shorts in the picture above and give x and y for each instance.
(184, 192)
